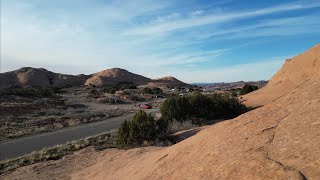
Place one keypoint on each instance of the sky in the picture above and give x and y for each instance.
(192, 40)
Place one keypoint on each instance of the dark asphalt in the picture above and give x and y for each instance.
(25, 145)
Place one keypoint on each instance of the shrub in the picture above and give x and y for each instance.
(110, 89)
(143, 127)
(93, 92)
(126, 85)
(176, 126)
(125, 93)
(35, 91)
(157, 91)
(123, 136)
(247, 88)
(175, 107)
(119, 86)
(147, 90)
(152, 91)
(201, 106)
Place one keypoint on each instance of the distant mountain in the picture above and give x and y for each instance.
(231, 85)
(29, 76)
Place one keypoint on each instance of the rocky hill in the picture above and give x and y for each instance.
(295, 71)
(28, 76)
(167, 81)
(115, 75)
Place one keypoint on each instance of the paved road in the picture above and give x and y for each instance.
(25, 145)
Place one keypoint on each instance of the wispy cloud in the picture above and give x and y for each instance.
(147, 37)
(188, 22)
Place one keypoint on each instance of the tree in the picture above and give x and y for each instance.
(201, 106)
(247, 88)
(123, 136)
(177, 108)
(147, 90)
(143, 127)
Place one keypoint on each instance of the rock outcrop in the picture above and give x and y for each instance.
(295, 71)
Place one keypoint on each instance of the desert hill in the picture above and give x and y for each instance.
(167, 81)
(280, 140)
(29, 76)
(115, 75)
(299, 69)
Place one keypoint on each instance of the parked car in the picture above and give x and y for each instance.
(145, 106)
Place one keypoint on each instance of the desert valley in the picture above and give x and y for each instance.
(159, 90)
(278, 139)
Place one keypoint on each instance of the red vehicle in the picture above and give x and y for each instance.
(145, 106)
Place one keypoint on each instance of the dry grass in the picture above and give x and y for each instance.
(176, 126)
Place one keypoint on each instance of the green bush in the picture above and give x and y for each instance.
(110, 89)
(35, 91)
(247, 88)
(147, 90)
(119, 86)
(201, 106)
(152, 91)
(125, 93)
(175, 107)
(126, 85)
(93, 92)
(157, 91)
(143, 127)
(123, 136)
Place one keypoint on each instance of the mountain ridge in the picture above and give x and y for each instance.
(29, 76)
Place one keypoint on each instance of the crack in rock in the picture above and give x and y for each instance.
(285, 167)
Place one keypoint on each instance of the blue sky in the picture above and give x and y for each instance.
(195, 41)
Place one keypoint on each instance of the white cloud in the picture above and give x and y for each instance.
(85, 38)
(188, 22)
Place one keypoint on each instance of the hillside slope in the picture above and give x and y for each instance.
(167, 81)
(28, 76)
(294, 71)
(115, 75)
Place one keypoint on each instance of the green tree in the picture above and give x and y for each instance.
(123, 136)
(247, 88)
(143, 127)
(175, 108)
(147, 90)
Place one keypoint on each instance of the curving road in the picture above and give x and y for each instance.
(25, 145)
